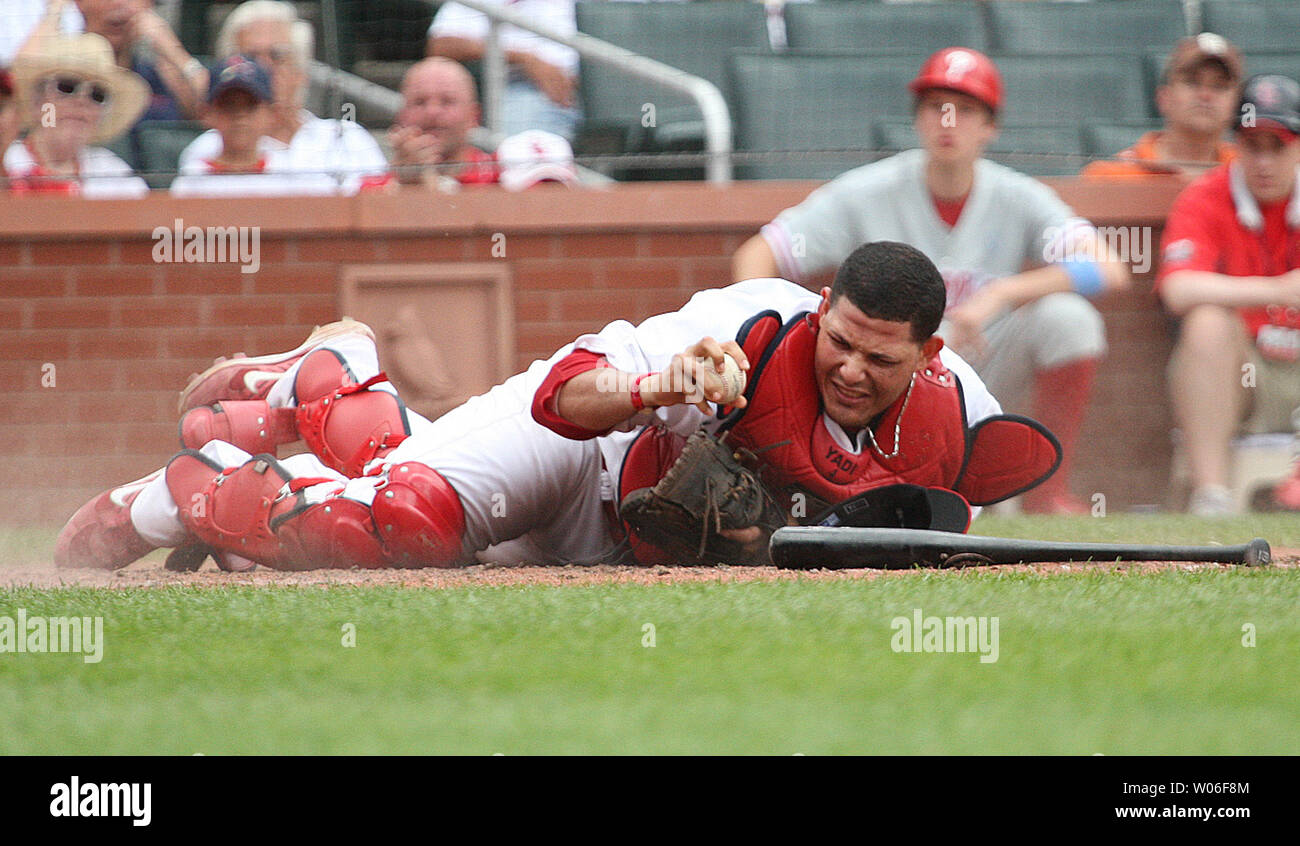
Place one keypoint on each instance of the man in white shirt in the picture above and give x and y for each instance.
(543, 75)
(270, 33)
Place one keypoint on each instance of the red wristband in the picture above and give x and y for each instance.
(637, 402)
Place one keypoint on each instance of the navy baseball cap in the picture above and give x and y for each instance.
(1274, 103)
(243, 73)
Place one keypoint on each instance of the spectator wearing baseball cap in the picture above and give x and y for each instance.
(1031, 334)
(1196, 97)
(75, 81)
(1230, 272)
(239, 110)
(271, 33)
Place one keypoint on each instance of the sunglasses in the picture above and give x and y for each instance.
(70, 86)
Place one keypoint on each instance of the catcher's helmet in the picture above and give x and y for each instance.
(961, 69)
(1270, 101)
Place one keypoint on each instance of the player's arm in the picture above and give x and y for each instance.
(600, 399)
(1183, 290)
(1091, 270)
(754, 260)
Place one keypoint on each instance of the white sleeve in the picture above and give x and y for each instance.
(980, 404)
(459, 21)
(716, 313)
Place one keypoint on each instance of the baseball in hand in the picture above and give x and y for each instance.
(733, 378)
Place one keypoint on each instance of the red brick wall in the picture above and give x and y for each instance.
(79, 290)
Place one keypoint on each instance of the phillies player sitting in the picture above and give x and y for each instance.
(849, 390)
(1231, 272)
(981, 223)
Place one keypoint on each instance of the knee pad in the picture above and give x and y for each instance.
(419, 517)
(251, 425)
(345, 423)
(256, 511)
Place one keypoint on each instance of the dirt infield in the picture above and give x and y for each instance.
(150, 573)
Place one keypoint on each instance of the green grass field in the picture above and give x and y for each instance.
(1089, 661)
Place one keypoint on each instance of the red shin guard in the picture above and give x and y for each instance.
(251, 425)
(345, 423)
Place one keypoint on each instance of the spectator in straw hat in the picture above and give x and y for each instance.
(71, 96)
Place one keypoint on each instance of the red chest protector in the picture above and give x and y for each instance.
(783, 421)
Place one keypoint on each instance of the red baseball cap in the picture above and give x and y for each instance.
(961, 69)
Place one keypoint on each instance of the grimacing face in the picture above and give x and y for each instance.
(863, 364)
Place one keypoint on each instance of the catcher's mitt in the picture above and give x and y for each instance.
(706, 490)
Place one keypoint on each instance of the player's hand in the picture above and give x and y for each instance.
(557, 85)
(687, 379)
(1288, 286)
(966, 322)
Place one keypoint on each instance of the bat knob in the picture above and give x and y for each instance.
(1258, 553)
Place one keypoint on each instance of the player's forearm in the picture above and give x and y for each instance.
(600, 399)
(454, 47)
(754, 260)
(1015, 291)
(1186, 289)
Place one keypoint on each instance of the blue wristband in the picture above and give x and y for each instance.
(1085, 276)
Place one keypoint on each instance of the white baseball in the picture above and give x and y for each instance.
(733, 378)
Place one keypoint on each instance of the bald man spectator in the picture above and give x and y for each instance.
(430, 138)
(270, 33)
(1197, 97)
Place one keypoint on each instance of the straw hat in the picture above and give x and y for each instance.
(90, 57)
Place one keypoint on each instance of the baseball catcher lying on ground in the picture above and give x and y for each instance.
(622, 446)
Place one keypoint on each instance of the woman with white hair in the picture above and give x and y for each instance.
(270, 33)
(70, 96)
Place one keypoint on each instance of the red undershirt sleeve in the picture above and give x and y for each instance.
(544, 401)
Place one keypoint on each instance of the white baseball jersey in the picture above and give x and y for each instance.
(202, 179)
(1008, 219)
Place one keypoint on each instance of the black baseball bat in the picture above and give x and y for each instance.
(840, 548)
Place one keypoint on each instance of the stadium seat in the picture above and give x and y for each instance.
(1254, 25)
(1052, 150)
(1103, 140)
(775, 109)
(695, 37)
(160, 145)
(872, 27)
(1287, 64)
(1067, 28)
(1074, 89)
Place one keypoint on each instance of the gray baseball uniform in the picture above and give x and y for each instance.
(1010, 220)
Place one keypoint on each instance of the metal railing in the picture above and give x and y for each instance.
(712, 105)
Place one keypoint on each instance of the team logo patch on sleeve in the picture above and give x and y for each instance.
(1180, 250)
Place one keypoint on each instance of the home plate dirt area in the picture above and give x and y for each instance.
(149, 572)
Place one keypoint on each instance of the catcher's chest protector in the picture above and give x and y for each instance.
(783, 421)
